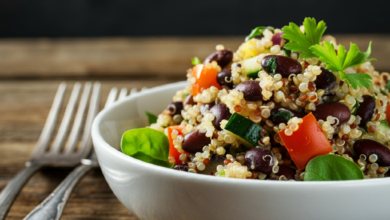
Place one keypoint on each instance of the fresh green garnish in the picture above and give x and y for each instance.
(343, 60)
(152, 118)
(286, 115)
(332, 168)
(195, 61)
(355, 108)
(148, 145)
(185, 95)
(300, 42)
(388, 85)
(185, 120)
(383, 91)
(384, 126)
(257, 31)
(271, 65)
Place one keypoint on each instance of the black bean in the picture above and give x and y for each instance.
(222, 57)
(189, 101)
(326, 80)
(195, 141)
(221, 112)
(206, 106)
(181, 167)
(335, 109)
(175, 108)
(281, 117)
(224, 78)
(368, 147)
(278, 40)
(287, 172)
(259, 160)
(285, 66)
(251, 90)
(366, 109)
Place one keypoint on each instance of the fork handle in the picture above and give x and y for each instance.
(52, 207)
(9, 193)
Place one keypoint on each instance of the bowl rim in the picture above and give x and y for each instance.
(107, 148)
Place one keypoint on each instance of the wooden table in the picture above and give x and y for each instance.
(32, 69)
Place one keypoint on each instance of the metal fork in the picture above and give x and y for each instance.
(57, 154)
(53, 206)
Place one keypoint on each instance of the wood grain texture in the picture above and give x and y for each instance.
(24, 106)
(168, 56)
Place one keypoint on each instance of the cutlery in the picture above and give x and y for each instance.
(56, 154)
(53, 206)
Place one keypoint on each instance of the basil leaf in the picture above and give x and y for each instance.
(332, 168)
(257, 31)
(152, 118)
(286, 115)
(148, 145)
(195, 61)
(271, 65)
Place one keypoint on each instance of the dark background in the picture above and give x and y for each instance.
(98, 18)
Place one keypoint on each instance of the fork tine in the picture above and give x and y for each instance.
(86, 141)
(133, 91)
(51, 121)
(122, 94)
(111, 97)
(64, 127)
(79, 118)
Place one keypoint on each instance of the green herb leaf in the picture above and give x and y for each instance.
(343, 60)
(332, 168)
(384, 126)
(383, 91)
(195, 61)
(148, 145)
(286, 115)
(388, 85)
(287, 52)
(271, 66)
(302, 42)
(257, 31)
(152, 118)
(185, 95)
(355, 108)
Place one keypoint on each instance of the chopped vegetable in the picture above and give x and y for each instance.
(257, 31)
(271, 66)
(205, 78)
(148, 145)
(355, 108)
(248, 132)
(332, 168)
(300, 42)
(195, 61)
(152, 118)
(384, 126)
(307, 142)
(285, 114)
(172, 150)
(251, 67)
(343, 60)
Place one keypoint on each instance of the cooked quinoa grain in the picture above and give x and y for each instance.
(276, 108)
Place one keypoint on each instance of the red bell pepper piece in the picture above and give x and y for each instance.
(307, 142)
(172, 150)
(205, 78)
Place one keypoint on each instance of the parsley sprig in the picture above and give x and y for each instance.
(309, 46)
(343, 60)
(300, 42)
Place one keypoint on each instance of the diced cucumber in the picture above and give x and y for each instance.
(384, 126)
(248, 132)
(251, 67)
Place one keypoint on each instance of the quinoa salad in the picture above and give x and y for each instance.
(290, 104)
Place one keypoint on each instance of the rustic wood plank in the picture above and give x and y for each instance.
(168, 56)
(23, 111)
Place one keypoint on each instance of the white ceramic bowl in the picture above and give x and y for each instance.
(153, 192)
